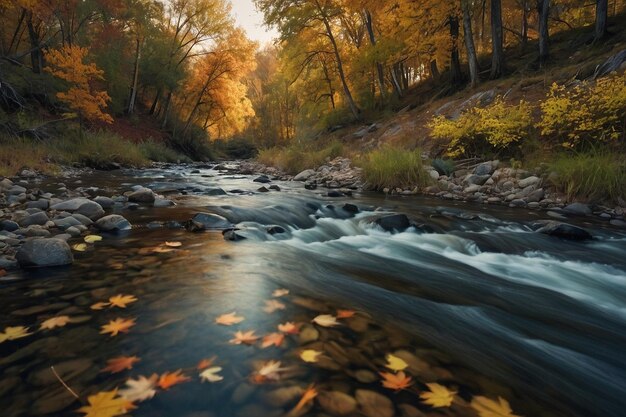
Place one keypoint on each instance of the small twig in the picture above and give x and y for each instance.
(63, 383)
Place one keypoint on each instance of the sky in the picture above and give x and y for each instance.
(251, 20)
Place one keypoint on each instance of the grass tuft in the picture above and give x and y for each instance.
(298, 157)
(391, 167)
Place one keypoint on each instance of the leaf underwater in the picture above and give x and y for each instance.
(244, 338)
(395, 363)
(140, 389)
(92, 238)
(273, 305)
(121, 300)
(326, 320)
(310, 355)
(114, 327)
(13, 333)
(106, 404)
(439, 396)
(229, 319)
(169, 379)
(289, 328)
(396, 382)
(211, 374)
(53, 322)
(120, 363)
(486, 407)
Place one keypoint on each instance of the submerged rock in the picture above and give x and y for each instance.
(564, 231)
(70, 205)
(204, 221)
(394, 223)
(113, 223)
(263, 179)
(38, 253)
(142, 195)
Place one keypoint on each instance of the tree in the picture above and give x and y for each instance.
(543, 9)
(469, 43)
(602, 8)
(67, 63)
(497, 54)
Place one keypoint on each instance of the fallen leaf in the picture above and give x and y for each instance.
(80, 247)
(116, 326)
(161, 249)
(326, 320)
(269, 371)
(106, 404)
(122, 300)
(308, 396)
(281, 292)
(439, 396)
(12, 333)
(53, 322)
(229, 319)
(205, 363)
(121, 363)
(275, 339)
(169, 379)
(174, 244)
(92, 238)
(140, 389)
(395, 363)
(486, 407)
(211, 374)
(310, 355)
(273, 305)
(345, 314)
(100, 306)
(246, 338)
(289, 328)
(397, 381)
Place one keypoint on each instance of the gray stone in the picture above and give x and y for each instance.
(304, 175)
(37, 253)
(40, 204)
(578, 209)
(66, 222)
(39, 218)
(203, 221)
(73, 231)
(9, 225)
(563, 230)
(215, 191)
(142, 195)
(395, 222)
(161, 202)
(91, 209)
(70, 205)
(16, 189)
(536, 196)
(82, 219)
(105, 202)
(476, 179)
(486, 168)
(113, 223)
(7, 262)
(471, 189)
(518, 202)
(532, 180)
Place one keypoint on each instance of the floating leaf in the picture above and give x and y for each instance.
(397, 381)
(80, 247)
(269, 371)
(106, 404)
(92, 238)
(345, 314)
(53, 322)
(122, 300)
(486, 407)
(439, 396)
(169, 379)
(229, 319)
(326, 320)
(174, 244)
(140, 389)
(161, 249)
(117, 326)
(273, 305)
(211, 374)
(289, 328)
(121, 363)
(12, 333)
(308, 396)
(205, 363)
(281, 292)
(395, 363)
(310, 355)
(100, 306)
(246, 338)
(275, 339)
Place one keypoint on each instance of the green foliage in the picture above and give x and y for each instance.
(194, 143)
(159, 152)
(443, 166)
(593, 175)
(391, 167)
(494, 128)
(586, 114)
(297, 157)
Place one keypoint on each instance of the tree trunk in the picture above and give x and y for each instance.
(524, 29)
(133, 88)
(497, 54)
(167, 110)
(36, 57)
(397, 87)
(434, 71)
(156, 101)
(469, 44)
(543, 7)
(455, 62)
(602, 11)
(379, 67)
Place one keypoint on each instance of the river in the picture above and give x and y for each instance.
(481, 304)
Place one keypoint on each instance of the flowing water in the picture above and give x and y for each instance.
(483, 306)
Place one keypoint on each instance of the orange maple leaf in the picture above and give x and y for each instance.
(118, 364)
(116, 326)
(246, 338)
(397, 381)
(307, 397)
(169, 379)
(121, 300)
(275, 339)
(229, 319)
(289, 328)
(345, 314)
(99, 306)
(205, 363)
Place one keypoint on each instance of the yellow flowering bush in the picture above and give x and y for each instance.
(497, 126)
(587, 113)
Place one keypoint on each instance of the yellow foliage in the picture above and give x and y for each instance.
(498, 124)
(67, 64)
(588, 112)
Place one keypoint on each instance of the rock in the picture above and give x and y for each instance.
(7, 262)
(274, 187)
(204, 221)
(494, 200)
(518, 202)
(310, 185)
(84, 220)
(335, 194)
(395, 222)
(280, 397)
(617, 222)
(66, 222)
(91, 210)
(275, 230)
(304, 175)
(336, 402)
(16, 189)
(507, 185)
(373, 404)
(215, 191)
(564, 230)
(365, 376)
(350, 208)
(39, 218)
(9, 225)
(263, 190)
(532, 180)
(433, 174)
(113, 223)
(536, 196)
(308, 334)
(70, 205)
(40, 204)
(27, 173)
(263, 179)
(472, 179)
(471, 189)
(37, 253)
(142, 195)
(232, 235)
(105, 202)
(578, 209)
(162, 202)
(486, 168)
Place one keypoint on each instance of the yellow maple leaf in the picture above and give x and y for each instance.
(117, 326)
(53, 322)
(80, 247)
(106, 404)
(12, 333)
(395, 363)
(486, 407)
(99, 306)
(439, 396)
(310, 355)
(122, 300)
(92, 238)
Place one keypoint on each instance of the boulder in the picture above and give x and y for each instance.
(9, 225)
(113, 223)
(578, 209)
(304, 175)
(38, 253)
(232, 235)
(263, 179)
(536, 196)
(91, 209)
(204, 221)
(394, 222)
(486, 168)
(66, 222)
(564, 231)
(473, 179)
(70, 205)
(39, 218)
(39, 204)
(532, 180)
(142, 195)
(350, 208)
(274, 187)
(215, 191)
(275, 230)
(105, 202)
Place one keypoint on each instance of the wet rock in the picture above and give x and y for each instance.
(578, 209)
(7, 262)
(283, 396)
(304, 175)
(84, 220)
(617, 222)
(310, 185)
(204, 221)
(407, 410)
(40, 204)
(142, 195)
(40, 218)
(473, 179)
(66, 222)
(536, 196)
(67, 370)
(395, 222)
(263, 190)
(274, 187)
(105, 202)
(37, 253)
(373, 404)
(275, 230)
(308, 334)
(70, 205)
(365, 376)
(518, 202)
(215, 191)
(161, 202)
(232, 235)
(73, 231)
(54, 402)
(564, 231)
(335, 194)
(336, 402)
(113, 223)
(91, 209)
(9, 225)
(263, 179)
(15, 190)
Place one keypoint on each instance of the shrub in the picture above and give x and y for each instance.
(586, 114)
(593, 175)
(478, 130)
(16, 154)
(391, 167)
(159, 152)
(443, 166)
(297, 157)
